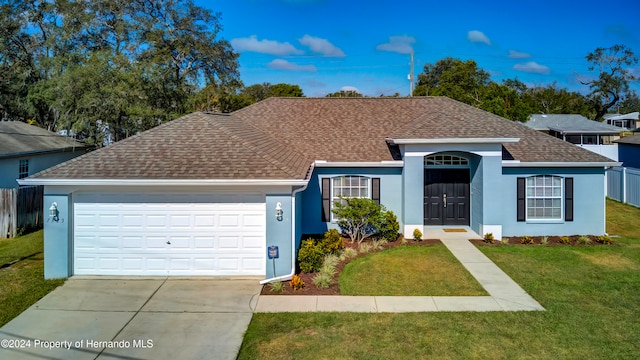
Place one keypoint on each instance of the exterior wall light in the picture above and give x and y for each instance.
(279, 211)
(53, 212)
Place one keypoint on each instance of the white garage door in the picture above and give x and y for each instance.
(132, 234)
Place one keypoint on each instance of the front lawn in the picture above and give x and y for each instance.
(591, 295)
(409, 271)
(23, 283)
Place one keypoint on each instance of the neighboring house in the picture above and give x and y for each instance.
(629, 151)
(209, 194)
(577, 129)
(26, 149)
(628, 121)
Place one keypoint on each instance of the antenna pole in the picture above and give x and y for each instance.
(411, 76)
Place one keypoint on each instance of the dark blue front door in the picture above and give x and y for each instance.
(446, 197)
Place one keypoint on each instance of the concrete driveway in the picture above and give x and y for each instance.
(120, 318)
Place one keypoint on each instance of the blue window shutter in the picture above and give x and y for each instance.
(522, 199)
(326, 200)
(568, 199)
(375, 190)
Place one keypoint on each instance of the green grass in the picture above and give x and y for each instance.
(19, 247)
(409, 271)
(591, 295)
(23, 283)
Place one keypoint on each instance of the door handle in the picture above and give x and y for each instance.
(444, 199)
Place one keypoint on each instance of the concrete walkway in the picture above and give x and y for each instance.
(505, 294)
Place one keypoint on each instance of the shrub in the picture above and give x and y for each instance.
(348, 253)
(332, 242)
(378, 244)
(277, 287)
(527, 240)
(322, 280)
(296, 283)
(329, 265)
(365, 248)
(488, 237)
(565, 240)
(584, 240)
(310, 256)
(604, 239)
(404, 240)
(417, 235)
(545, 240)
(359, 218)
(389, 227)
(504, 241)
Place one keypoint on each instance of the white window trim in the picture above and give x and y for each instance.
(335, 198)
(20, 167)
(561, 197)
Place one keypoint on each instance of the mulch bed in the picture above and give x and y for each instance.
(333, 289)
(537, 241)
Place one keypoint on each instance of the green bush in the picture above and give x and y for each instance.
(310, 256)
(417, 235)
(527, 240)
(565, 240)
(322, 280)
(604, 239)
(488, 237)
(277, 287)
(584, 240)
(390, 226)
(332, 242)
(359, 218)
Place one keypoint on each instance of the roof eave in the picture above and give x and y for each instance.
(359, 164)
(454, 141)
(45, 151)
(556, 164)
(163, 182)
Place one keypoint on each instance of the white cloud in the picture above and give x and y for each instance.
(398, 44)
(321, 46)
(264, 46)
(478, 36)
(532, 67)
(518, 55)
(279, 64)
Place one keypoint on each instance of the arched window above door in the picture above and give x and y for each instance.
(445, 160)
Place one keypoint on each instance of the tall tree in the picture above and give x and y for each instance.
(108, 65)
(612, 82)
(345, 93)
(457, 79)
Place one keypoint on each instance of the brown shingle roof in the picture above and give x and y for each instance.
(279, 138)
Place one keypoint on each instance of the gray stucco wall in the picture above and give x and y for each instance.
(589, 203)
(390, 194)
(9, 167)
(57, 237)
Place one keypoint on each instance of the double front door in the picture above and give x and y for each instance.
(446, 197)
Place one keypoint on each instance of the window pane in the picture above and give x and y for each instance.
(544, 197)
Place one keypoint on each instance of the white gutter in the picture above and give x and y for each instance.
(454, 141)
(293, 239)
(389, 163)
(162, 182)
(559, 164)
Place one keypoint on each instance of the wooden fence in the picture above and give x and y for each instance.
(21, 210)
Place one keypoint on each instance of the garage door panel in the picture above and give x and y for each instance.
(149, 235)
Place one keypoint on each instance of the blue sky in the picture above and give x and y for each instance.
(328, 45)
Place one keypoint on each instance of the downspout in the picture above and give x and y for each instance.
(293, 238)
